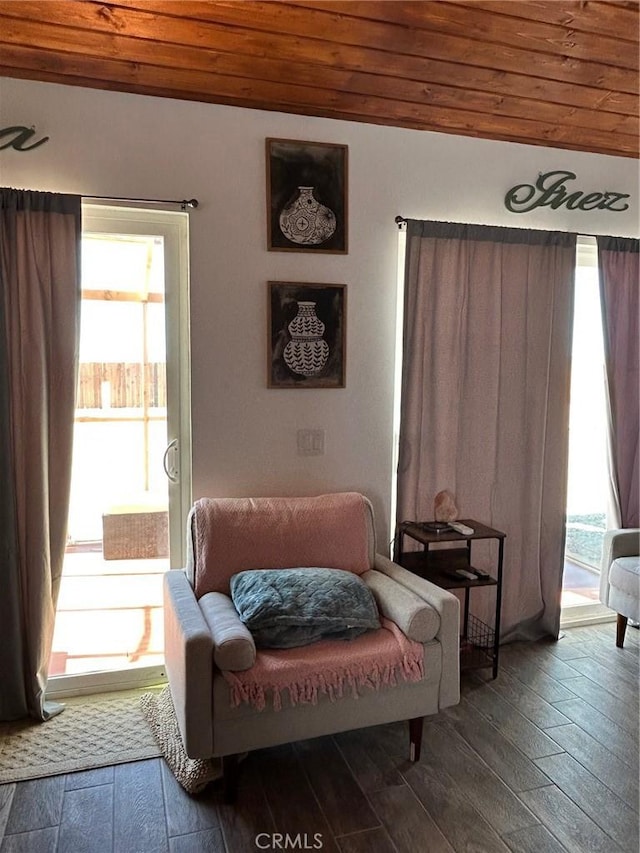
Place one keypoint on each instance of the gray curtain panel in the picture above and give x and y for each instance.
(485, 400)
(619, 289)
(39, 332)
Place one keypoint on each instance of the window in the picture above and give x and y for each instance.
(587, 481)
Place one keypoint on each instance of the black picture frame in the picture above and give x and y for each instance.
(306, 335)
(307, 196)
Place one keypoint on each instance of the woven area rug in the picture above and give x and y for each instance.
(193, 774)
(92, 731)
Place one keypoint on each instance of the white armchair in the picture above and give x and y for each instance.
(207, 646)
(620, 577)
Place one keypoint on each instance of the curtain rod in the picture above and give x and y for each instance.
(401, 222)
(184, 203)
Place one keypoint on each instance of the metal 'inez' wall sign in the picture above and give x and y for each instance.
(550, 191)
(17, 137)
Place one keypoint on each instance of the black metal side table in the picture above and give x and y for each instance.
(479, 642)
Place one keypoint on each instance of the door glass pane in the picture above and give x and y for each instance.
(587, 484)
(109, 606)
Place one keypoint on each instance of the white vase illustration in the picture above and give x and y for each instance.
(307, 352)
(305, 221)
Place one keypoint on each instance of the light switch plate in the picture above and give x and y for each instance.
(310, 442)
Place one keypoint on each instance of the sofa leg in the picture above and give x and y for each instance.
(621, 627)
(415, 737)
(230, 777)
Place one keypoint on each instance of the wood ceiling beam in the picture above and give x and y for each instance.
(617, 20)
(330, 31)
(491, 26)
(216, 88)
(65, 40)
(306, 51)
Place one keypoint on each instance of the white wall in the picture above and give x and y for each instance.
(244, 434)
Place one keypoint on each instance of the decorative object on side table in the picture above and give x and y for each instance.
(444, 507)
(306, 196)
(306, 335)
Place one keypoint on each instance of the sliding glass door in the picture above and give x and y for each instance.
(588, 474)
(131, 486)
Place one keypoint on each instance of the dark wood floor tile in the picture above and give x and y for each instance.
(291, 799)
(475, 790)
(6, 799)
(249, 816)
(566, 650)
(410, 828)
(512, 724)
(540, 656)
(530, 704)
(538, 681)
(514, 768)
(603, 807)
(187, 813)
(625, 659)
(368, 760)
(249, 770)
(369, 841)
(334, 785)
(37, 803)
(394, 737)
(592, 633)
(509, 655)
(451, 759)
(608, 678)
(634, 635)
(568, 823)
(461, 824)
(139, 819)
(623, 714)
(575, 635)
(621, 778)
(205, 841)
(628, 675)
(535, 839)
(607, 653)
(617, 740)
(36, 841)
(87, 821)
(634, 631)
(89, 778)
(626, 667)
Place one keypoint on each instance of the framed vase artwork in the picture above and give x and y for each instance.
(306, 196)
(306, 334)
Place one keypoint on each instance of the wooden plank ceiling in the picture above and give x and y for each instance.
(557, 73)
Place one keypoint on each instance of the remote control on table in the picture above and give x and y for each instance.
(461, 528)
(463, 573)
(483, 576)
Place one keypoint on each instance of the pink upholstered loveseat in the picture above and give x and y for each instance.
(211, 658)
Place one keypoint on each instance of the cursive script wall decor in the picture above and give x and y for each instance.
(18, 137)
(550, 191)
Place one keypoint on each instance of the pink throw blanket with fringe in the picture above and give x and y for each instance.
(373, 660)
(234, 534)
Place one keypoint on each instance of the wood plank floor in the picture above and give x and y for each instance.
(544, 759)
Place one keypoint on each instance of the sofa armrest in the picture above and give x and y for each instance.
(616, 543)
(415, 617)
(234, 648)
(620, 543)
(189, 662)
(448, 608)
